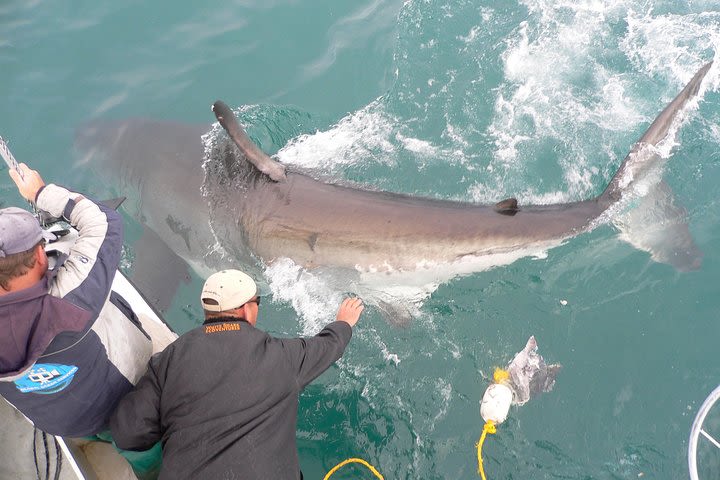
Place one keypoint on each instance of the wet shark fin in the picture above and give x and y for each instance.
(393, 313)
(157, 271)
(658, 225)
(114, 203)
(273, 169)
(640, 155)
(509, 206)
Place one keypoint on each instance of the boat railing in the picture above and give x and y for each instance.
(699, 434)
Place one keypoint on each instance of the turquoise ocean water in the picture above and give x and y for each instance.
(473, 101)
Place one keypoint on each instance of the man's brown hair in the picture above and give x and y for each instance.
(227, 313)
(17, 265)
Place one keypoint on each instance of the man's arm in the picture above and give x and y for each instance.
(135, 423)
(312, 356)
(86, 276)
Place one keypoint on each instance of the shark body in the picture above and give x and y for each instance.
(263, 210)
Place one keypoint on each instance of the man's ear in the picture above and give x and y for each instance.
(248, 314)
(40, 255)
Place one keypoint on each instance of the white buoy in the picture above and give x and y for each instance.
(496, 403)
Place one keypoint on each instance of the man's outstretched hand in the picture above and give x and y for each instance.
(30, 184)
(350, 310)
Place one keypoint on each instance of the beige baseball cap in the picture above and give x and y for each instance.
(226, 290)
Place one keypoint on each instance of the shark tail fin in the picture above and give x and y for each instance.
(658, 224)
(657, 131)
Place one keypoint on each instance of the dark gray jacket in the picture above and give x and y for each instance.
(223, 399)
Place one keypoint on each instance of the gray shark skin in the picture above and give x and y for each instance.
(268, 211)
(529, 374)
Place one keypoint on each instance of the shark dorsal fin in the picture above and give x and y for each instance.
(273, 169)
(509, 206)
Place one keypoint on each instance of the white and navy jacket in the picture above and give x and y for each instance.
(69, 347)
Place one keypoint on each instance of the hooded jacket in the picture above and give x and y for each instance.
(69, 347)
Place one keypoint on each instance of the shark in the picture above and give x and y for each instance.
(241, 206)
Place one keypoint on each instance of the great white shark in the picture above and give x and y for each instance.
(258, 208)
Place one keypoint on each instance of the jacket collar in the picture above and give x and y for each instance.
(227, 318)
(35, 291)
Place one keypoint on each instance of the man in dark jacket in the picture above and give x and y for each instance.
(223, 398)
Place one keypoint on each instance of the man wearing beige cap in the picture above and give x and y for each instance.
(223, 398)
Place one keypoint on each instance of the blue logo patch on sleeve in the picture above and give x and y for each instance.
(46, 378)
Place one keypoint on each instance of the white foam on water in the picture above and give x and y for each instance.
(445, 390)
(316, 296)
(420, 147)
(312, 296)
(544, 58)
(551, 63)
(368, 136)
(362, 137)
(714, 132)
(540, 98)
(371, 336)
(616, 112)
(457, 138)
(672, 46)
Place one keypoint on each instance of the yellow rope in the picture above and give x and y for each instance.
(353, 460)
(488, 428)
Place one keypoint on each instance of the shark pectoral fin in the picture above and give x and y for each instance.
(659, 226)
(396, 314)
(273, 169)
(509, 206)
(114, 203)
(157, 271)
